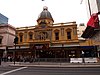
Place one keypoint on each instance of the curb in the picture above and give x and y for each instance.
(66, 66)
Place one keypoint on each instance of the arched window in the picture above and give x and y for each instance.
(30, 35)
(1, 37)
(21, 37)
(56, 34)
(69, 33)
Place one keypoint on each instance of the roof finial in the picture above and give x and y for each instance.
(45, 8)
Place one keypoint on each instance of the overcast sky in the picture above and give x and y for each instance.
(25, 12)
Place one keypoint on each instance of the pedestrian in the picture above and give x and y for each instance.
(9, 58)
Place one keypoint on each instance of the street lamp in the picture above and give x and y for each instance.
(16, 42)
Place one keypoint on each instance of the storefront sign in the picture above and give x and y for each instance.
(40, 46)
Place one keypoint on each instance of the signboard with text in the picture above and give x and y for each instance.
(41, 46)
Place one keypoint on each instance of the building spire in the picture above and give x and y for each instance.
(45, 8)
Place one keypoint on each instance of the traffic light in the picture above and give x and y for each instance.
(16, 40)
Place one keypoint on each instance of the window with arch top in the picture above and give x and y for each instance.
(1, 37)
(30, 35)
(56, 34)
(69, 33)
(21, 37)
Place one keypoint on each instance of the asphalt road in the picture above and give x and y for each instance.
(48, 71)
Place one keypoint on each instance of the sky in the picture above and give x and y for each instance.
(23, 13)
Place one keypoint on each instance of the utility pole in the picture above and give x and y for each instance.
(89, 7)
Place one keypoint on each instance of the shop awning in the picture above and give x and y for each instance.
(87, 47)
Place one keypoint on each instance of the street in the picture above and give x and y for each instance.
(11, 70)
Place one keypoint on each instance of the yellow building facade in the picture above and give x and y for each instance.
(49, 40)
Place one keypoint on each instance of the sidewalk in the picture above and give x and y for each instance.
(51, 64)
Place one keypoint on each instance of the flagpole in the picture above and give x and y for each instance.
(89, 7)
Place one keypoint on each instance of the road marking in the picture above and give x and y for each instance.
(12, 71)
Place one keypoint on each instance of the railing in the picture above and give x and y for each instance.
(38, 60)
(56, 60)
(50, 60)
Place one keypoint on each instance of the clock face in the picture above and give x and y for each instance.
(43, 25)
